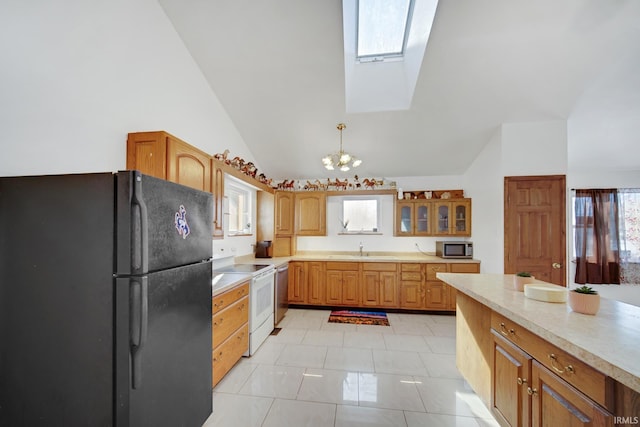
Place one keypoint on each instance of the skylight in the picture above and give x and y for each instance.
(382, 28)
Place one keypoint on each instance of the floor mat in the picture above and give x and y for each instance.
(359, 317)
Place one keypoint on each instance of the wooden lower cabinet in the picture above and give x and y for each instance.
(556, 403)
(524, 392)
(230, 329)
(412, 286)
(297, 282)
(379, 285)
(510, 376)
(342, 283)
(374, 284)
(315, 283)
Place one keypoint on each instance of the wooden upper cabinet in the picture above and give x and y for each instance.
(413, 218)
(311, 211)
(217, 187)
(452, 217)
(162, 155)
(284, 213)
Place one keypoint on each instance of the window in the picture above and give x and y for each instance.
(382, 28)
(360, 215)
(239, 208)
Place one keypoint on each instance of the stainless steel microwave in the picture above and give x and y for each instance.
(454, 249)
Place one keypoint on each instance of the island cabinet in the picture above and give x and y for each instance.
(533, 383)
(230, 329)
(162, 155)
(342, 283)
(310, 213)
(379, 285)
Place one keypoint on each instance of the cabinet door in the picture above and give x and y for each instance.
(411, 294)
(388, 283)
(284, 205)
(556, 403)
(404, 218)
(422, 215)
(442, 214)
(460, 224)
(147, 152)
(370, 288)
(297, 282)
(350, 293)
(511, 375)
(315, 280)
(217, 187)
(436, 295)
(310, 211)
(187, 165)
(334, 287)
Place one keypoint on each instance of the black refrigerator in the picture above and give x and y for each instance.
(105, 301)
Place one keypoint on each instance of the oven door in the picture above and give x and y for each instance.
(262, 301)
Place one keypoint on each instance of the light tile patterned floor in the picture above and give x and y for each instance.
(315, 373)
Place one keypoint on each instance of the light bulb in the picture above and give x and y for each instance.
(356, 163)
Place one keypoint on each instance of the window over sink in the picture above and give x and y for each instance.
(360, 214)
(240, 204)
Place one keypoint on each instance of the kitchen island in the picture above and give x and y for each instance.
(540, 357)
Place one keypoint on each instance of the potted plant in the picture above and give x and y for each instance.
(585, 300)
(522, 278)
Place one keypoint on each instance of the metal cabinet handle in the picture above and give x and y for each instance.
(554, 360)
(532, 391)
(504, 331)
(522, 381)
(556, 265)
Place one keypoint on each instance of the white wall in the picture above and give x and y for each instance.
(385, 242)
(77, 76)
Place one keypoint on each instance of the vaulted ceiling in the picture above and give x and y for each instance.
(277, 67)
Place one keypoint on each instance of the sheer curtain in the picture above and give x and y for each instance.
(629, 202)
(597, 236)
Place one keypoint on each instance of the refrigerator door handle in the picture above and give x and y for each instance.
(140, 247)
(139, 304)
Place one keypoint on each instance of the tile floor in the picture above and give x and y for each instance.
(315, 373)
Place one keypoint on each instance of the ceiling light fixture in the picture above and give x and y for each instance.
(340, 160)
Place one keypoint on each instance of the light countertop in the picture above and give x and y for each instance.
(608, 341)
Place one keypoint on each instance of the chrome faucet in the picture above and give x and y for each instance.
(361, 247)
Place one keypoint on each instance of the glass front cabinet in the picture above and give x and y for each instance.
(419, 217)
(453, 218)
(413, 218)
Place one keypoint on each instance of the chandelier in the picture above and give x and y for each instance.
(341, 160)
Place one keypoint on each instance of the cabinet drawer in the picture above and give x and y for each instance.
(410, 267)
(433, 269)
(344, 266)
(464, 268)
(588, 380)
(228, 320)
(379, 266)
(229, 352)
(225, 299)
(417, 276)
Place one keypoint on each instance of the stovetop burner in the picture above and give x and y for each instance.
(242, 268)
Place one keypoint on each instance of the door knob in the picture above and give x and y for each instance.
(556, 265)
